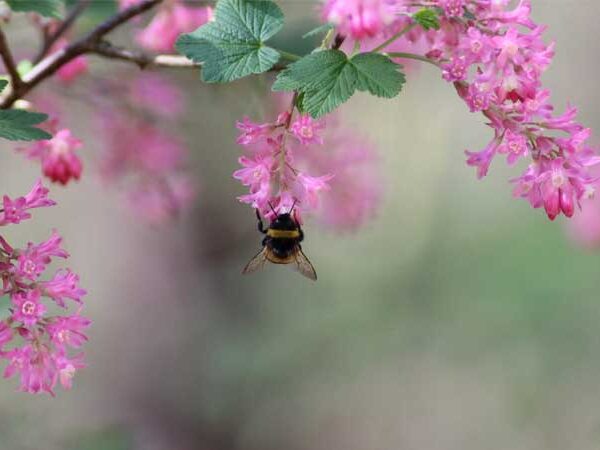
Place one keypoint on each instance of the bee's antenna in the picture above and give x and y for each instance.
(293, 205)
(273, 209)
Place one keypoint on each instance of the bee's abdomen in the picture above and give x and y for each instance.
(283, 234)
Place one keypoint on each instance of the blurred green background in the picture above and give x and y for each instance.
(456, 319)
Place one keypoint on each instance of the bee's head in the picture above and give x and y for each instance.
(284, 222)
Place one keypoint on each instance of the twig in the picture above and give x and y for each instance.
(141, 59)
(9, 61)
(50, 64)
(77, 10)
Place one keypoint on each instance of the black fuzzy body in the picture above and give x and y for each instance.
(283, 248)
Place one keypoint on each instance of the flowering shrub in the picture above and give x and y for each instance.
(35, 342)
(301, 158)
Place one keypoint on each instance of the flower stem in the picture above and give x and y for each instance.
(394, 37)
(413, 56)
(289, 56)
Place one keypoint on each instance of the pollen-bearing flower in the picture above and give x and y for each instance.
(307, 130)
(35, 343)
(495, 55)
(269, 171)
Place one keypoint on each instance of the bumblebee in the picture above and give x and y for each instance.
(281, 245)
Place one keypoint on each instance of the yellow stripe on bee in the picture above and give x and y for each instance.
(283, 234)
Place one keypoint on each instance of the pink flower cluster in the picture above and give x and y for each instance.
(279, 156)
(60, 162)
(147, 160)
(495, 56)
(268, 167)
(37, 344)
(172, 19)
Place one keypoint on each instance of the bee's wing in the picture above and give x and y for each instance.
(304, 266)
(257, 262)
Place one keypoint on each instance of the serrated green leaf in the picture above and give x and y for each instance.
(18, 125)
(378, 74)
(46, 8)
(232, 46)
(329, 78)
(428, 19)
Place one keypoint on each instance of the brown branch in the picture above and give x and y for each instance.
(9, 61)
(75, 12)
(49, 65)
(141, 59)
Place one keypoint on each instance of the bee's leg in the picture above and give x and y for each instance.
(261, 226)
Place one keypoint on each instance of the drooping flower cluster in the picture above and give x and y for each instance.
(346, 189)
(36, 343)
(148, 161)
(269, 166)
(494, 54)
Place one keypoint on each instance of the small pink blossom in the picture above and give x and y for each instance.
(64, 285)
(67, 368)
(253, 132)
(32, 261)
(27, 307)
(35, 366)
(68, 331)
(60, 163)
(306, 130)
(15, 211)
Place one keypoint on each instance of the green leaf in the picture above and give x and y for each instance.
(319, 30)
(378, 74)
(428, 19)
(17, 125)
(3, 84)
(232, 46)
(329, 78)
(46, 8)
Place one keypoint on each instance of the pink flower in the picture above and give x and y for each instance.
(514, 146)
(171, 21)
(310, 187)
(72, 70)
(306, 130)
(68, 331)
(67, 368)
(15, 211)
(64, 284)
(27, 307)
(253, 132)
(36, 368)
(32, 261)
(360, 18)
(60, 163)
(40, 356)
(482, 159)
